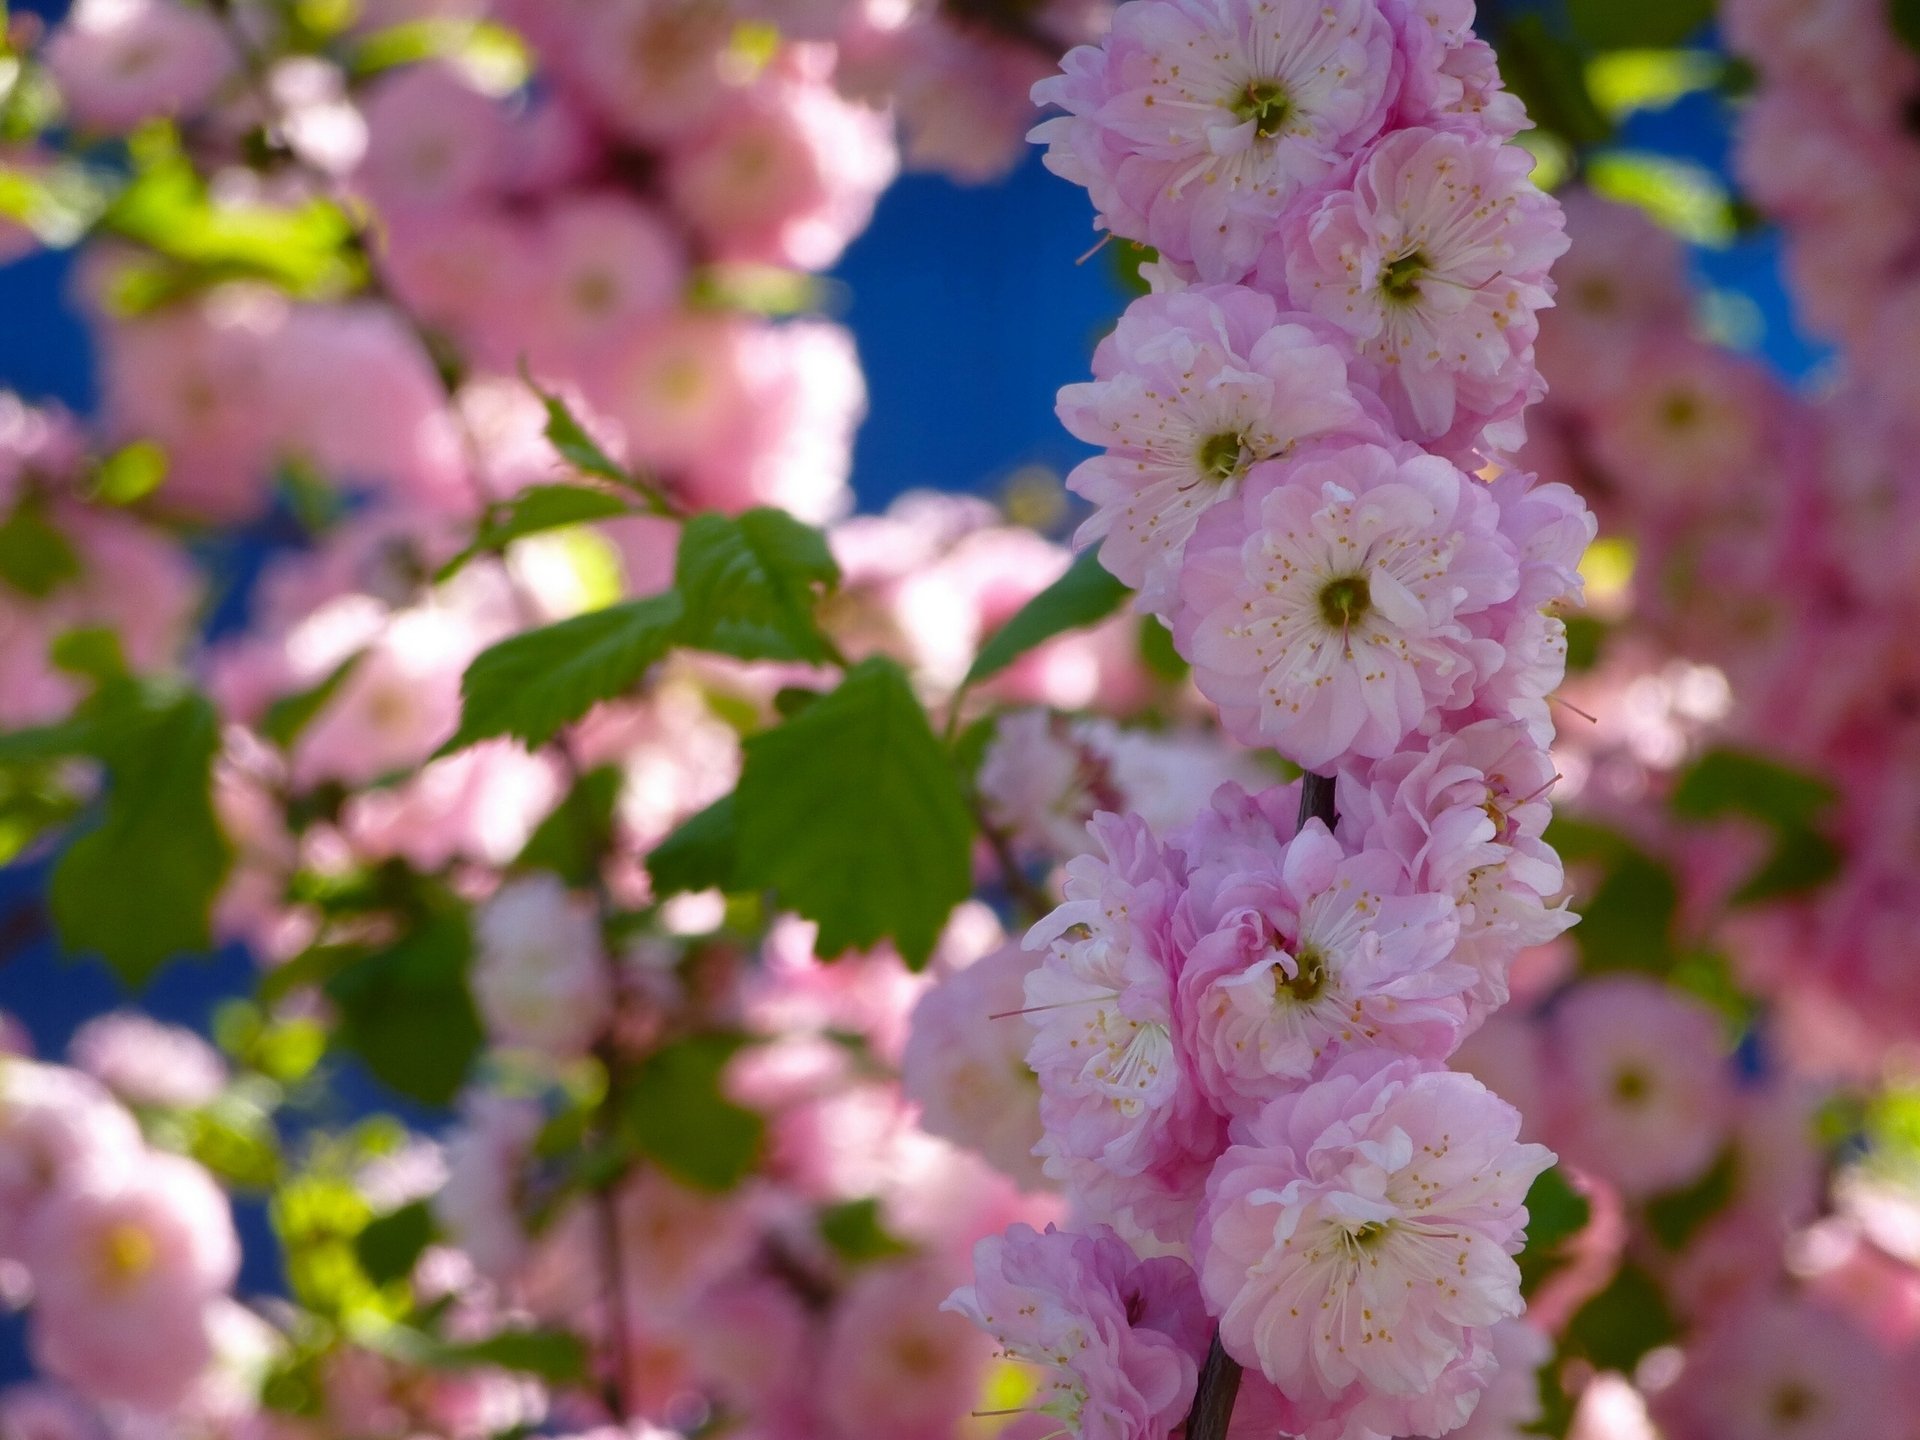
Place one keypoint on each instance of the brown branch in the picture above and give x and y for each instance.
(1220, 1375)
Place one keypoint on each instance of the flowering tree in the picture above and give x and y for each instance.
(728, 966)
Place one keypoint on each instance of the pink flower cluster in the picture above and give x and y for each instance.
(128, 1252)
(1241, 1022)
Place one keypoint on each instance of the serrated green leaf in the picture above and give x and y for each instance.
(406, 1011)
(851, 813)
(1623, 1322)
(676, 1115)
(1083, 596)
(854, 1232)
(35, 558)
(290, 715)
(749, 584)
(392, 1244)
(537, 509)
(1737, 782)
(137, 889)
(697, 855)
(536, 683)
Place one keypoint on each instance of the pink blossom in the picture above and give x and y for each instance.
(1196, 122)
(1640, 1083)
(59, 1130)
(1119, 1337)
(1787, 1370)
(1116, 1093)
(540, 973)
(1435, 261)
(1309, 958)
(965, 1064)
(434, 142)
(121, 62)
(607, 265)
(1190, 390)
(147, 1063)
(896, 1363)
(481, 1205)
(1333, 610)
(790, 172)
(40, 1411)
(1451, 76)
(124, 1274)
(1466, 816)
(1356, 1240)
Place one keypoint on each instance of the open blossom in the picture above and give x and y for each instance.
(1435, 261)
(1119, 1337)
(965, 1063)
(147, 1063)
(1190, 390)
(1357, 1239)
(896, 1361)
(1639, 1083)
(1452, 76)
(1466, 817)
(58, 1129)
(120, 62)
(1310, 958)
(540, 971)
(1327, 614)
(1196, 122)
(125, 1273)
(1115, 1091)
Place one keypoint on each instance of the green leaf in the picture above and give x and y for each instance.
(92, 652)
(139, 886)
(1904, 16)
(406, 1012)
(1157, 652)
(852, 814)
(572, 839)
(1638, 24)
(35, 558)
(676, 1115)
(580, 450)
(1675, 1216)
(1083, 596)
(535, 683)
(555, 1356)
(749, 585)
(131, 473)
(1623, 1322)
(392, 1244)
(1628, 922)
(1737, 782)
(290, 715)
(698, 855)
(1802, 860)
(1549, 76)
(1556, 1212)
(1684, 197)
(534, 510)
(854, 1232)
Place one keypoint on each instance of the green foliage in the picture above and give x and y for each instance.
(698, 855)
(675, 1115)
(290, 715)
(1681, 196)
(1157, 652)
(555, 1356)
(236, 1141)
(1556, 1213)
(1083, 596)
(1676, 1216)
(534, 510)
(572, 839)
(406, 1012)
(1627, 923)
(1623, 1322)
(1638, 24)
(580, 450)
(853, 1231)
(35, 558)
(137, 888)
(1904, 16)
(1790, 802)
(306, 250)
(534, 683)
(131, 473)
(749, 582)
(852, 814)
(1546, 72)
(392, 1244)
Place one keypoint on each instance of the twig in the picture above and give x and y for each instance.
(1220, 1375)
